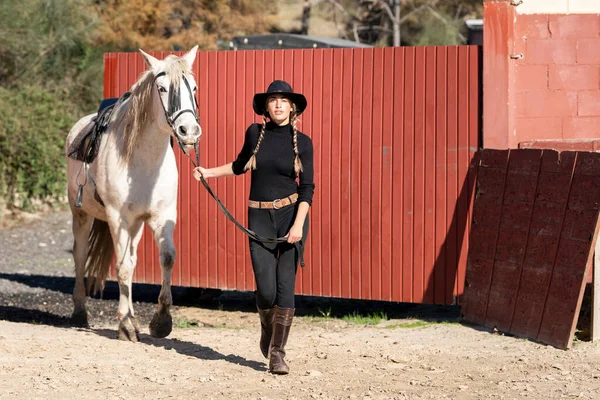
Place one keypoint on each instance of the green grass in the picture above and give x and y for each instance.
(411, 324)
(418, 324)
(325, 314)
(369, 319)
(184, 323)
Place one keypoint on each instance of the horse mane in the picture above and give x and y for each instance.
(136, 113)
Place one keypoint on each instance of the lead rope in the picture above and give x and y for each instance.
(250, 233)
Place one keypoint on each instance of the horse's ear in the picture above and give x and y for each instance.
(151, 62)
(190, 56)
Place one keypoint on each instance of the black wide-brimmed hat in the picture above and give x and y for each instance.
(278, 87)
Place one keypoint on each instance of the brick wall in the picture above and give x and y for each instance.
(553, 91)
(558, 79)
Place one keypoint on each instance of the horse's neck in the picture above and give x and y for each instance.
(154, 146)
(152, 149)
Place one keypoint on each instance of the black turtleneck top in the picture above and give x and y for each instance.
(274, 176)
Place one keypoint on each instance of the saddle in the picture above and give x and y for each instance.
(86, 145)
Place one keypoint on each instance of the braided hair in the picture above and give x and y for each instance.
(251, 164)
(297, 162)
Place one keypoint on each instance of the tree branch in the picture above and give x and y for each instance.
(417, 10)
(445, 21)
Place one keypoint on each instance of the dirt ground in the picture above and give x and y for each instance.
(213, 350)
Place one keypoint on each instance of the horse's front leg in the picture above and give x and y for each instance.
(163, 226)
(126, 236)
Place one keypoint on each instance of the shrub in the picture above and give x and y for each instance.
(34, 124)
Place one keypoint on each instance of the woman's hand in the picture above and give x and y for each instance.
(199, 171)
(295, 234)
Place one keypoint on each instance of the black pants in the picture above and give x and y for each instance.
(274, 265)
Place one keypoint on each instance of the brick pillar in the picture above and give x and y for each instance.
(553, 91)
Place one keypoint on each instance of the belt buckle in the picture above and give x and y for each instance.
(275, 201)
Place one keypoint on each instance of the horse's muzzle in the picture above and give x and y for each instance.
(188, 134)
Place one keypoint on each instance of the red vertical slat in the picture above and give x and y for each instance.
(346, 234)
(316, 116)
(269, 67)
(222, 184)
(387, 200)
(307, 89)
(355, 185)
(462, 207)
(376, 173)
(251, 68)
(430, 174)
(325, 180)
(408, 177)
(452, 174)
(203, 218)
(288, 70)
(213, 88)
(229, 149)
(474, 100)
(439, 272)
(109, 73)
(336, 167)
(365, 173)
(278, 65)
(419, 178)
(239, 209)
(397, 174)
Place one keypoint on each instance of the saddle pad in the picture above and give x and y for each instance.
(86, 145)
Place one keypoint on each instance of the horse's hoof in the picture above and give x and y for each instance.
(128, 331)
(136, 325)
(161, 325)
(80, 319)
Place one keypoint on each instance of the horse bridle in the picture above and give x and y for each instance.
(175, 110)
(171, 116)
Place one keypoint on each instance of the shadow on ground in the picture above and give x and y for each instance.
(310, 306)
(188, 349)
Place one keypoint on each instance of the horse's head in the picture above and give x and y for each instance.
(174, 95)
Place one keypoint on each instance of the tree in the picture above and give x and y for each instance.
(395, 22)
(179, 24)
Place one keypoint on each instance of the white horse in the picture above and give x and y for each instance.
(132, 181)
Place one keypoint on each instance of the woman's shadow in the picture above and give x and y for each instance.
(187, 348)
(21, 315)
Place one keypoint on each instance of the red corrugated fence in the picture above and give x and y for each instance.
(394, 130)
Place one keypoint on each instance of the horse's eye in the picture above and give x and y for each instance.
(162, 89)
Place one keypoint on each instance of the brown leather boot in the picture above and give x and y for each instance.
(281, 329)
(266, 329)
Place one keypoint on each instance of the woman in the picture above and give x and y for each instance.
(276, 153)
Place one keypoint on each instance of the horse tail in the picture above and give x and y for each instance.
(100, 255)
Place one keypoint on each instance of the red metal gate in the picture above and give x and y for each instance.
(394, 130)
